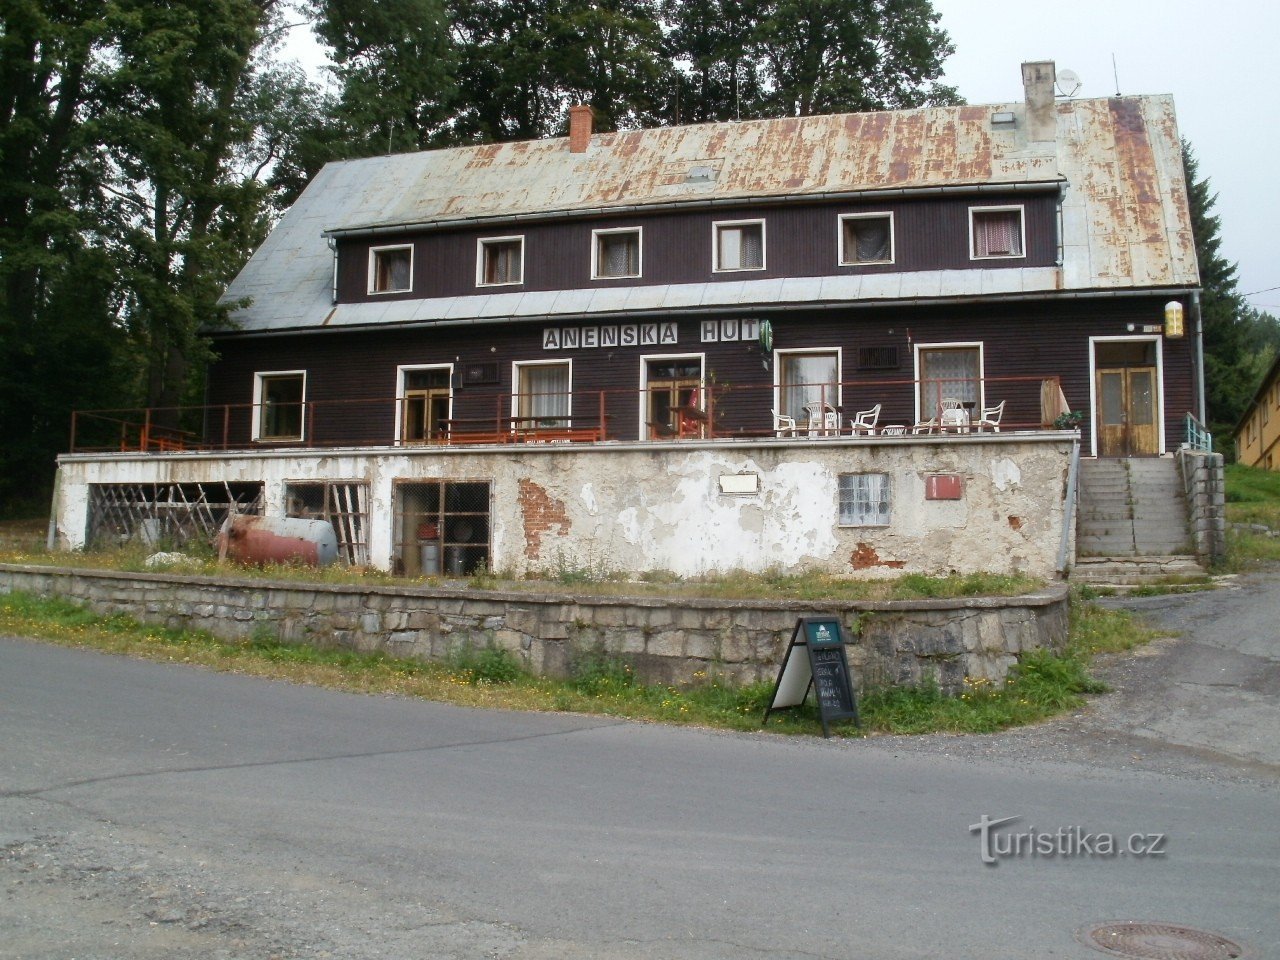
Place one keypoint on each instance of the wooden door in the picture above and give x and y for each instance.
(1128, 412)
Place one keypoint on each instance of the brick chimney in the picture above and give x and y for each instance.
(1042, 113)
(579, 128)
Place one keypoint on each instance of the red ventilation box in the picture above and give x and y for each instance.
(944, 486)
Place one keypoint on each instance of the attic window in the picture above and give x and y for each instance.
(700, 174)
(996, 232)
(739, 245)
(391, 269)
(501, 261)
(866, 238)
(615, 254)
(1003, 118)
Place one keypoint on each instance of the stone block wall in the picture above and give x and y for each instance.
(1205, 483)
(665, 640)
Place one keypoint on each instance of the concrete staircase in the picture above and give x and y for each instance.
(1132, 523)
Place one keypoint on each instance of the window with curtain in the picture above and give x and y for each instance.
(951, 372)
(280, 399)
(997, 233)
(618, 253)
(867, 239)
(391, 270)
(543, 393)
(866, 499)
(501, 260)
(808, 378)
(740, 246)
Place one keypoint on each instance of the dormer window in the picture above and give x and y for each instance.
(866, 238)
(739, 245)
(391, 269)
(501, 261)
(615, 254)
(996, 232)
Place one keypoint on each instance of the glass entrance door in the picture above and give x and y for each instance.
(1128, 412)
(673, 405)
(427, 394)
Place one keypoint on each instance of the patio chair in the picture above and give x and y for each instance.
(864, 421)
(925, 426)
(991, 417)
(783, 426)
(824, 421)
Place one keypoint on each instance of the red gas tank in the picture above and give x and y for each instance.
(262, 540)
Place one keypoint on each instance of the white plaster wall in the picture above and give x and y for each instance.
(636, 507)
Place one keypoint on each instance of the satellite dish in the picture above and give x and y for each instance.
(1068, 82)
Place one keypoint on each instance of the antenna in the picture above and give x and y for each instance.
(1068, 83)
(1115, 70)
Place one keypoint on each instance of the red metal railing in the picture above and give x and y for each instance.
(715, 411)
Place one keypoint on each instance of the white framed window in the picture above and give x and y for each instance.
(807, 380)
(866, 499)
(499, 260)
(424, 401)
(866, 238)
(279, 405)
(997, 233)
(616, 253)
(737, 245)
(948, 371)
(391, 269)
(542, 394)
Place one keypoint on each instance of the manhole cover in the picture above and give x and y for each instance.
(1159, 941)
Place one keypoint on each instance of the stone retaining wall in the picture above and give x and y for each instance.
(1204, 479)
(665, 639)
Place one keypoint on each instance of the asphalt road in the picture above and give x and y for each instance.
(158, 811)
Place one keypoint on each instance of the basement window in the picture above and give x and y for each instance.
(344, 504)
(866, 499)
(996, 232)
(440, 527)
(391, 269)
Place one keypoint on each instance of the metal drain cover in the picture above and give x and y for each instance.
(1140, 940)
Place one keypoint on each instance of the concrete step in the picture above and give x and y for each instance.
(1135, 570)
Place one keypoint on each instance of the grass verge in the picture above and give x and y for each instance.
(1252, 497)
(1043, 684)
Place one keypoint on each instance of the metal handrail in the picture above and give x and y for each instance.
(725, 411)
(1196, 435)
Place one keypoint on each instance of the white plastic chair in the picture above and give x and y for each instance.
(823, 419)
(864, 421)
(783, 426)
(991, 417)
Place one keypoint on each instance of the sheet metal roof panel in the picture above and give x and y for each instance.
(1125, 213)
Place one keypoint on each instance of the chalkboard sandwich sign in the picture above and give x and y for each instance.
(822, 668)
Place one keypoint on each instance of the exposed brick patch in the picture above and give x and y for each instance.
(1015, 523)
(865, 556)
(542, 513)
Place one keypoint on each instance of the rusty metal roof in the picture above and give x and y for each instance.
(1125, 217)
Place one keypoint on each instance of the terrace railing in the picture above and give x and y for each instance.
(714, 410)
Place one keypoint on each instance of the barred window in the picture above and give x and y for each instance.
(865, 499)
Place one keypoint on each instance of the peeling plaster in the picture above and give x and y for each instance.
(641, 507)
(1005, 473)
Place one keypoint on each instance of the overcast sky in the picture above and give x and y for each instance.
(1218, 59)
(1214, 56)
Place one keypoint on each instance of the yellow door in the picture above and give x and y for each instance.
(1128, 412)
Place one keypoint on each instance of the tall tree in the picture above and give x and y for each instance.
(1239, 342)
(58, 343)
(715, 72)
(393, 61)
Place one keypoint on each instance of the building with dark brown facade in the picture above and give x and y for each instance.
(918, 288)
